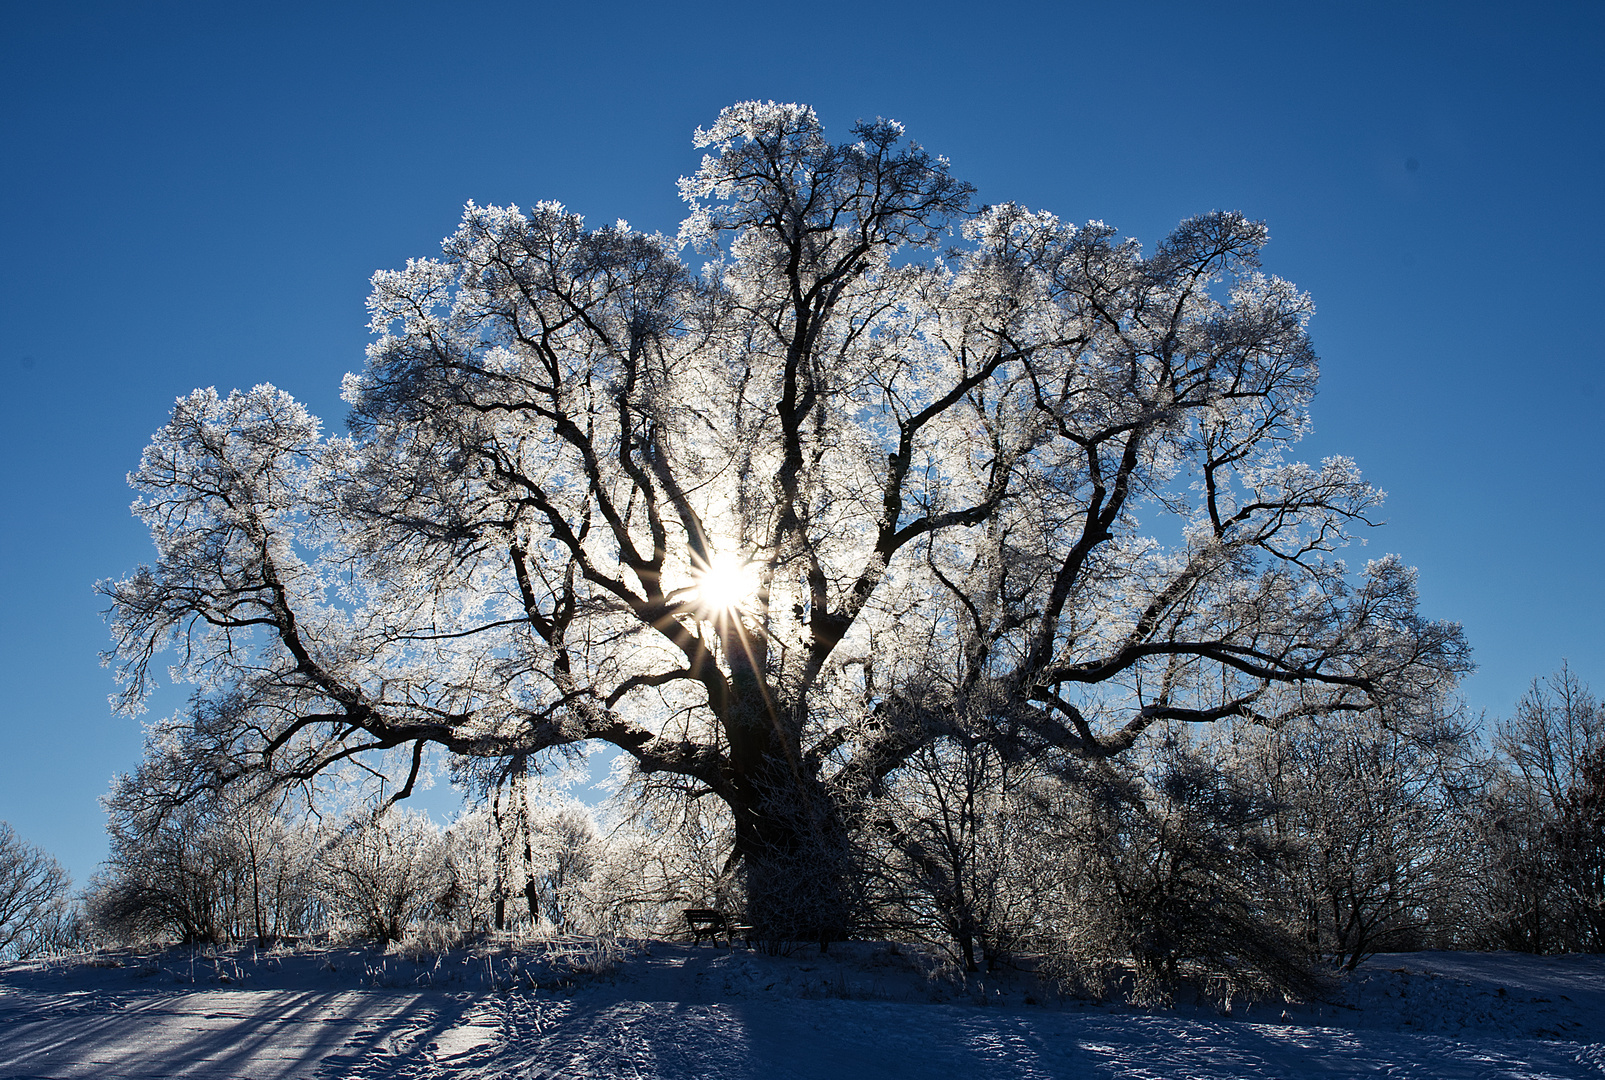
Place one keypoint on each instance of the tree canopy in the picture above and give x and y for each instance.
(876, 467)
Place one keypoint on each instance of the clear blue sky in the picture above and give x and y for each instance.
(197, 195)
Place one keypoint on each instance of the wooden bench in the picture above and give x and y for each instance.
(710, 923)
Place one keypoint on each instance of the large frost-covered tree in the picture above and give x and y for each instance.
(881, 466)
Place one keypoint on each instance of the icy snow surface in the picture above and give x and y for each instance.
(673, 1011)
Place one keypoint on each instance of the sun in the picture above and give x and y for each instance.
(726, 584)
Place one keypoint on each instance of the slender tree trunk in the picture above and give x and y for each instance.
(966, 938)
(521, 821)
(256, 894)
(500, 886)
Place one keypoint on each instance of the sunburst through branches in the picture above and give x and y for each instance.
(725, 585)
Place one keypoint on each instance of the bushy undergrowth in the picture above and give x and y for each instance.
(1240, 863)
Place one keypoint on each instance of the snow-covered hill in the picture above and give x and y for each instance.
(675, 1011)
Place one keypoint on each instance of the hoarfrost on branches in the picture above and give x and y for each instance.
(1032, 490)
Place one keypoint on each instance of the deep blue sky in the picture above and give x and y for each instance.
(197, 195)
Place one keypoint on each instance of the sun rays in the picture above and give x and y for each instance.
(727, 584)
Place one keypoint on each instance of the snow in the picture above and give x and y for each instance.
(672, 1011)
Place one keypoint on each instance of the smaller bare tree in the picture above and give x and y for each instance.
(1541, 753)
(33, 897)
(954, 828)
(473, 863)
(1578, 834)
(1169, 863)
(565, 851)
(166, 875)
(1376, 852)
(387, 871)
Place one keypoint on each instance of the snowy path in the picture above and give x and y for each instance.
(681, 1014)
(805, 1040)
(265, 1034)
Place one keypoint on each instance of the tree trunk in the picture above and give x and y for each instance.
(789, 833)
(797, 860)
(965, 935)
(256, 894)
(502, 860)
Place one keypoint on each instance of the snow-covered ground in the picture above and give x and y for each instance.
(676, 1011)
